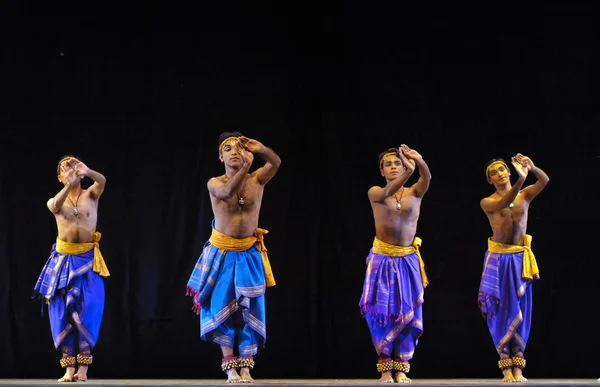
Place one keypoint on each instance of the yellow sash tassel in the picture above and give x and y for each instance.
(68, 248)
(530, 267)
(224, 242)
(383, 248)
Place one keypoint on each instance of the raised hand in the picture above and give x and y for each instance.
(251, 145)
(247, 156)
(522, 170)
(410, 153)
(80, 168)
(525, 161)
(409, 164)
(69, 173)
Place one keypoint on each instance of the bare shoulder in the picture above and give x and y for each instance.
(411, 190)
(252, 176)
(214, 182)
(485, 199)
(486, 202)
(374, 190)
(491, 196)
(90, 194)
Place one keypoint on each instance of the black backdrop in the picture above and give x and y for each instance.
(141, 92)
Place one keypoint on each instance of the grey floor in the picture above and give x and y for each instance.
(295, 382)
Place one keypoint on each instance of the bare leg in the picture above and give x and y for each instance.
(507, 371)
(232, 374)
(84, 359)
(518, 371)
(68, 363)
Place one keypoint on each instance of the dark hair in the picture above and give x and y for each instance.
(492, 161)
(389, 150)
(224, 135)
(63, 159)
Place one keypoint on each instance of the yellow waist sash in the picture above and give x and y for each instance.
(530, 267)
(383, 248)
(69, 248)
(225, 242)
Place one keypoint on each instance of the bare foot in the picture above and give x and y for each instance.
(233, 376)
(518, 375)
(245, 375)
(81, 374)
(508, 376)
(68, 375)
(386, 377)
(402, 378)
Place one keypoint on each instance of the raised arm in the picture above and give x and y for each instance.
(422, 185)
(378, 194)
(272, 160)
(533, 190)
(225, 189)
(491, 204)
(54, 204)
(81, 169)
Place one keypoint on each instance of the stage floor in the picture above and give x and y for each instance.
(296, 382)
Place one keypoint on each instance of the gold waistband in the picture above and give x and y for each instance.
(226, 243)
(530, 267)
(383, 248)
(69, 248)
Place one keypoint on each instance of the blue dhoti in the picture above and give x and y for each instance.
(505, 294)
(228, 289)
(74, 294)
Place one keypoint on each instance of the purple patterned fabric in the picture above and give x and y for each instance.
(391, 303)
(505, 301)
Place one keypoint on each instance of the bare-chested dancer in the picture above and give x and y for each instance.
(505, 296)
(229, 280)
(71, 282)
(395, 278)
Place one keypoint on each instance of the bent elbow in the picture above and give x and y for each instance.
(225, 195)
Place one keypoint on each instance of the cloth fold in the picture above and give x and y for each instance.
(224, 242)
(392, 297)
(74, 294)
(228, 285)
(383, 248)
(69, 248)
(505, 295)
